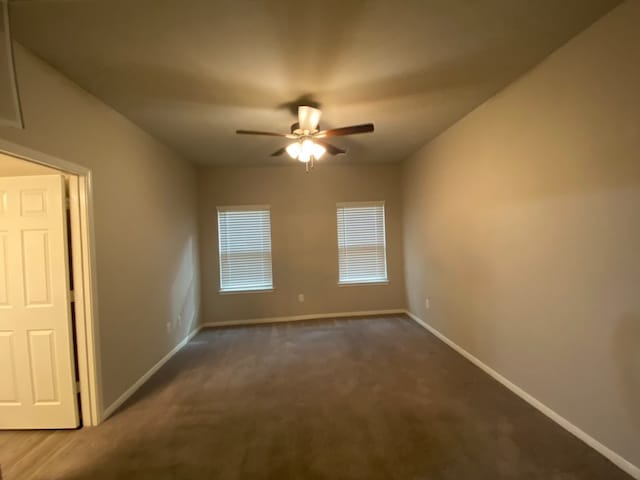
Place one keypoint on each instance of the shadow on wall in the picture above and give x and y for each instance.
(458, 279)
(184, 298)
(184, 293)
(626, 347)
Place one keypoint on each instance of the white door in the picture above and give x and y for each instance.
(37, 374)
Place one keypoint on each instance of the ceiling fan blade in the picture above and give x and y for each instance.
(277, 153)
(331, 149)
(255, 132)
(308, 118)
(342, 131)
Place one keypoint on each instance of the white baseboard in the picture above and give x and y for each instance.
(107, 412)
(616, 459)
(298, 318)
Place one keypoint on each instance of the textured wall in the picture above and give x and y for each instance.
(145, 219)
(522, 225)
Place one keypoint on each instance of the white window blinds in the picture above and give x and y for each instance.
(361, 242)
(244, 242)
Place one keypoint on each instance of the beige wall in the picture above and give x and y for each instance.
(15, 167)
(522, 225)
(145, 219)
(304, 238)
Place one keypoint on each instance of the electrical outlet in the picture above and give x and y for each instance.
(301, 297)
(168, 327)
(179, 319)
(427, 304)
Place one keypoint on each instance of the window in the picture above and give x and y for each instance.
(244, 243)
(362, 253)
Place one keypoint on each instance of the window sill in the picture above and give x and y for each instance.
(236, 292)
(363, 284)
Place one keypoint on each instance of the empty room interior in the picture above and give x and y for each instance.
(356, 239)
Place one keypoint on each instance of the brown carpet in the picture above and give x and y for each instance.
(376, 398)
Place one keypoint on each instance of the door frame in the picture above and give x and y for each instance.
(83, 264)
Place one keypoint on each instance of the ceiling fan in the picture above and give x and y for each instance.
(309, 144)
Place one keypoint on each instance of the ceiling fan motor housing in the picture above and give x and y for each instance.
(295, 129)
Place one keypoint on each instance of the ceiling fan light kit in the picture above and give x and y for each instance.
(304, 150)
(309, 146)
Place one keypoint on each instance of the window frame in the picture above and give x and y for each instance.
(243, 208)
(360, 283)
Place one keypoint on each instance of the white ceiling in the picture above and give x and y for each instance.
(191, 72)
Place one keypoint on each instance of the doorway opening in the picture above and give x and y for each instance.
(49, 179)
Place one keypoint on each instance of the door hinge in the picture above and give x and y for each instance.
(72, 295)
(77, 390)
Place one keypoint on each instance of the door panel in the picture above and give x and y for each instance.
(36, 268)
(8, 380)
(43, 366)
(3, 203)
(4, 271)
(37, 379)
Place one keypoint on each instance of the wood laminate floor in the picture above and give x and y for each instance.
(375, 398)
